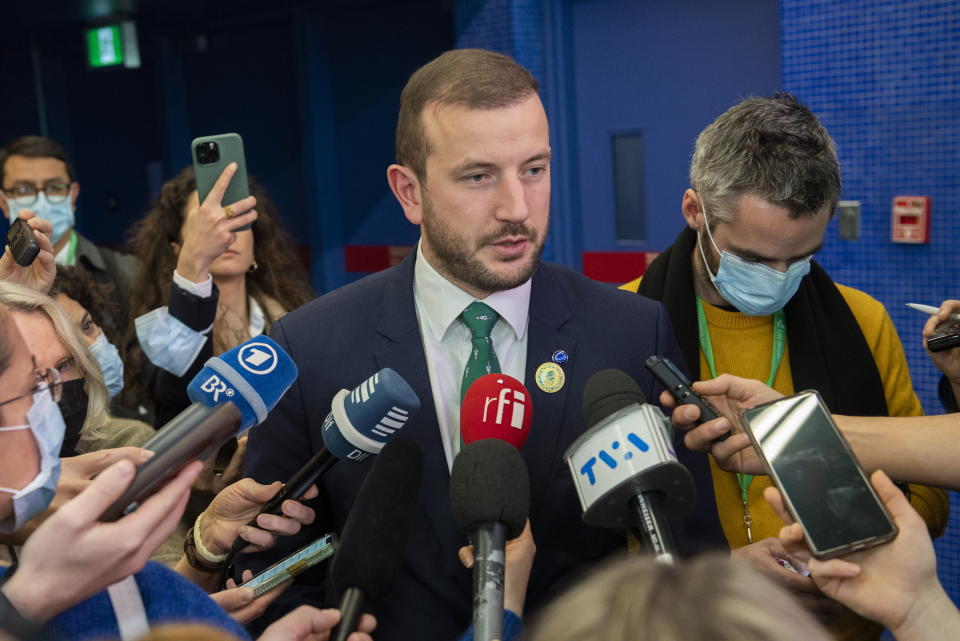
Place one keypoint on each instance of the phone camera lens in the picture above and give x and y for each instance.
(208, 153)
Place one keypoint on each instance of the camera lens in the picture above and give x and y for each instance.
(208, 153)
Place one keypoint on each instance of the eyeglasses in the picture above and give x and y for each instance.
(47, 379)
(56, 192)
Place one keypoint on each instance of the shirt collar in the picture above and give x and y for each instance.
(442, 302)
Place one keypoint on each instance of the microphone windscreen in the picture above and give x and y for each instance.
(254, 375)
(496, 406)
(361, 421)
(489, 484)
(375, 535)
(606, 392)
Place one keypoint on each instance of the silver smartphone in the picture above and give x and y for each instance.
(822, 484)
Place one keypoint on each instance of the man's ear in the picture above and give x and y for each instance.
(5, 206)
(692, 210)
(406, 188)
(74, 193)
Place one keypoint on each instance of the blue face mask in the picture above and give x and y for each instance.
(46, 423)
(59, 215)
(110, 364)
(754, 289)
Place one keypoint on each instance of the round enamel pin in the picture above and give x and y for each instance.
(560, 357)
(550, 377)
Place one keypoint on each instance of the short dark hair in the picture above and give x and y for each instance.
(35, 147)
(471, 78)
(774, 148)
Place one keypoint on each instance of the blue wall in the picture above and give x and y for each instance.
(668, 69)
(884, 76)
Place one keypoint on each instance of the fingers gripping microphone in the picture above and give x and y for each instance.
(496, 406)
(490, 501)
(376, 532)
(360, 422)
(624, 466)
(254, 375)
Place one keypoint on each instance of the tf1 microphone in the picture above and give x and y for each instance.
(376, 532)
(254, 375)
(624, 466)
(490, 501)
(496, 406)
(360, 422)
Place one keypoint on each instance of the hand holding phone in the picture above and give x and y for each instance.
(679, 386)
(822, 484)
(211, 156)
(23, 245)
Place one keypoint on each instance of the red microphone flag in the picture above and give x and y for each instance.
(496, 406)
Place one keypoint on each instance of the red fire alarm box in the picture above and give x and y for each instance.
(910, 219)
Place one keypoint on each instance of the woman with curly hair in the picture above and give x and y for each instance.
(206, 283)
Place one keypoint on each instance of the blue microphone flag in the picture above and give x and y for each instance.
(363, 420)
(254, 376)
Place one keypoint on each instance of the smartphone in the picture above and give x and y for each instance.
(23, 244)
(946, 336)
(299, 561)
(679, 386)
(211, 155)
(822, 484)
(195, 433)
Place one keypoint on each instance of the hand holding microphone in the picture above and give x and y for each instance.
(360, 422)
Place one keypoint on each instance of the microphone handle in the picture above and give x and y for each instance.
(653, 529)
(488, 559)
(352, 604)
(299, 483)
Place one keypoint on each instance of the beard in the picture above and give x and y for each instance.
(458, 260)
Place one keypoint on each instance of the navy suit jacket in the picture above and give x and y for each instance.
(341, 338)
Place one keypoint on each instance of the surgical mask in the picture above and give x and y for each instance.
(73, 408)
(110, 364)
(45, 422)
(59, 215)
(754, 289)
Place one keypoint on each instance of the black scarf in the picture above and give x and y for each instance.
(828, 352)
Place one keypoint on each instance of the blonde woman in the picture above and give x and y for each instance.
(708, 598)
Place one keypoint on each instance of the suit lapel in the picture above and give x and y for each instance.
(404, 353)
(548, 313)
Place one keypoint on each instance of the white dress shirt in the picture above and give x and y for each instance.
(446, 340)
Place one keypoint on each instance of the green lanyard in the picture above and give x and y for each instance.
(71, 250)
(779, 342)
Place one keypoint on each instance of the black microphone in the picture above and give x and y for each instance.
(376, 532)
(490, 501)
(359, 423)
(624, 466)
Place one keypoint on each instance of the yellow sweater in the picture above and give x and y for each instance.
(742, 346)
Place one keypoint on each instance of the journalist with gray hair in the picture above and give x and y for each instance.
(746, 298)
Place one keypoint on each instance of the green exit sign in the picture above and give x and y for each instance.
(105, 46)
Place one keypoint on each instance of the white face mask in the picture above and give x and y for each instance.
(59, 215)
(109, 361)
(754, 289)
(46, 423)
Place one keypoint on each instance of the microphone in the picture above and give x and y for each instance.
(376, 532)
(496, 406)
(254, 375)
(490, 501)
(624, 466)
(360, 422)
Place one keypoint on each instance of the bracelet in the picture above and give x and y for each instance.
(202, 550)
(199, 557)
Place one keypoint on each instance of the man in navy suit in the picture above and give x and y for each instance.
(473, 171)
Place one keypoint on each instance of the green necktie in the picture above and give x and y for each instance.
(480, 319)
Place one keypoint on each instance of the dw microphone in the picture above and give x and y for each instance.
(624, 466)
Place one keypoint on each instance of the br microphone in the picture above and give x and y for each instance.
(624, 466)
(360, 422)
(376, 532)
(496, 406)
(254, 375)
(490, 501)
(232, 393)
